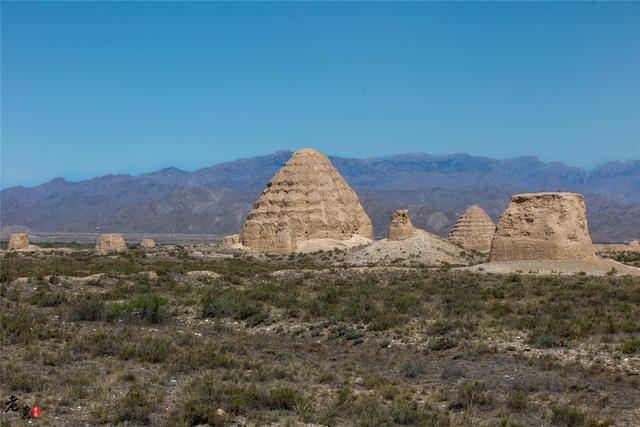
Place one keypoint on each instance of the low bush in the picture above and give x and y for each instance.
(149, 308)
(630, 347)
(233, 304)
(470, 394)
(89, 307)
(205, 394)
(565, 416)
(134, 406)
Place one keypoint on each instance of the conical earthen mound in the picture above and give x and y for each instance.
(542, 226)
(400, 227)
(473, 230)
(306, 199)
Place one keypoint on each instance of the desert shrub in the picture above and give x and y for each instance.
(630, 347)
(470, 394)
(568, 417)
(17, 379)
(553, 332)
(451, 372)
(523, 323)
(280, 398)
(369, 410)
(414, 367)
(385, 321)
(203, 395)
(98, 343)
(517, 402)
(46, 296)
(440, 343)
(16, 329)
(134, 406)
(28, 383)
(234, 304)
(147, 307)
(541, 340)
(5, 276)
(443, 326)
(513, 278)
(26, 326)
(124, 345)
(404, 412)
(89, 307)
(206, 355)
(499, 310)
(150, 349)
(628, 326)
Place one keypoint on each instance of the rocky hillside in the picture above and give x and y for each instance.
(216, 200)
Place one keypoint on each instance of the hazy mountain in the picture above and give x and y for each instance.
(215, 200)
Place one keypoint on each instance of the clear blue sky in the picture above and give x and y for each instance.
(109, 87)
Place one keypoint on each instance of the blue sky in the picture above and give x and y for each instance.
(114, 87)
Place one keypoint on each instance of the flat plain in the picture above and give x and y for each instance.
(204, 335)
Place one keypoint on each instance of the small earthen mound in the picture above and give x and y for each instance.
(543, 226)
(307, 199)
(147, 243)
(400, 227)
(473, 230)
(18, 242)
(110, 243)
(594, 266)
(232, 239)
(421, 248)
(635, 245)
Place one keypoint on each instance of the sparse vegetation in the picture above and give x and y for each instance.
(329, 346)
(630, 257)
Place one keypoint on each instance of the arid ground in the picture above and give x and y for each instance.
(203, 335)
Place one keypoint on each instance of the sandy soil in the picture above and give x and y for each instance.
(594, 266)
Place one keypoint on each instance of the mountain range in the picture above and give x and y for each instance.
(216, 200)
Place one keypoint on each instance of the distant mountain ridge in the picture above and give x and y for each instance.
(216, 199)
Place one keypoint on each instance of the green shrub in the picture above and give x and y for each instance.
(16, 329)
(414, 368)
(19, 380)
(134, 406)
(541, 340)
(45, 296)
(440, 343)
(150, 349)
(404, 412)
(205, 394)
(149, 308)
(518, 402)
(630, 347)
(442, 327)
(568, 417)
(89, 307)
(99, 343)
(26, 326)
(470, 394)
(234, 304)
(499, 310)
(206, 355)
